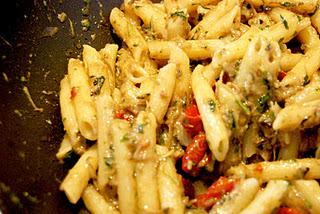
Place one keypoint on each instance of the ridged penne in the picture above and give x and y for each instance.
(78, 177)
(216, 132)
(163, 91)
(82, 100)
(307, 168)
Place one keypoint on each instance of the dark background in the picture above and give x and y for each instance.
(29, 172)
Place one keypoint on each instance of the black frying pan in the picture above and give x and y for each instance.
(29, 172)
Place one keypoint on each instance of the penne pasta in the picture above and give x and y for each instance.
(216, 132)
(152, 17)
(69, 118)
(268, 199)
(81, 98)
(304, 115)
(163, 91)
(170, 187)
(146, 169)
(95, 202)
(78, 177)
(129, 33)
(300, 6)
(195, 49)
(239, 198)
(310, 191)
(105, 113)
(307, 168)
(127, 189)
(65, 147)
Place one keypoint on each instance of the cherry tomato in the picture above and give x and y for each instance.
(121, 114)
(194, 153)
(287, 210)
(259, 168)
(220, 187)
(281, 75)
(73, 92)
(193, 123)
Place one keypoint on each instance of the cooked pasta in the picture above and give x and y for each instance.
(208, 107)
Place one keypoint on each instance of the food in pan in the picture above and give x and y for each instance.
(207, 106)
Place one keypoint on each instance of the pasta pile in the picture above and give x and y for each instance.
(208, 106)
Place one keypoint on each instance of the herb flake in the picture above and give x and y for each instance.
(109, 161)
(97, 83)
(141, 128)
(263, 102)
(125, 137)
(284, 21)
(287, 4)
(212, 105)
(180, 14)
(243, 106)
(306, 80)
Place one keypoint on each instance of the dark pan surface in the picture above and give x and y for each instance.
(29, 172)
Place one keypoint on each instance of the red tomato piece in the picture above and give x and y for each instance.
(281, 75)
(259, 168)
(194, 153)
(287, 210)
(121, 114)
(193, 123)
(220, 187)
(73, 92)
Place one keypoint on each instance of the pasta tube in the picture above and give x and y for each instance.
(83, 103)
(310, 191)
(78, 177)
(239, 198)
(195, 49)
(105, 108)
(301, 6)
(216, 132)
(125, 167)
(170, 187)
(308, 168)
(68, 115)
(95, 202)
(163, 91)
(146, 169)
(268, 199)
(129, 33)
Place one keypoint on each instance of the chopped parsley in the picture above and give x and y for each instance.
(237, 65)
(243, 106)
(284, 21)
(212, 105)
(180, 14)
(141, 128)
(232, 120)
(299, 18)
(97, 83)
(287, 4)
(281, 39)
(263, 103)
(109, 161)
(125, 137)
(306, 80)
(266, 82)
